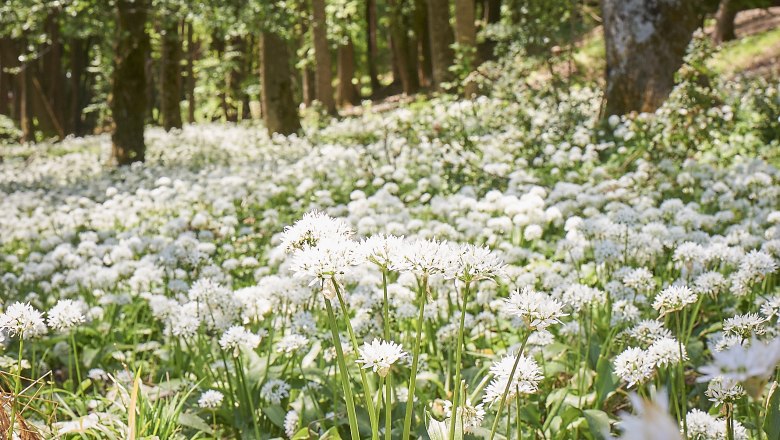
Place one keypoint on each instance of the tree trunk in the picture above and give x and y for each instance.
(279, 108)
(466, 33)
(424, 67)
(724, 22)
(371, 45)
(170, 86)
(309, 86)
(128, 88)
(645, 44)
(323, 73)
(25, 119)
(78, 64)
(491, 15)
(440, 31)
(403, 52)
(53, 79)
(190, 74)
(347, 91)
(6, 85)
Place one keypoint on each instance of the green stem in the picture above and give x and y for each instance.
(389, 406)
(367, 391)
(77, 386)
(422, 296)
(239, 366)
(681, 393)
(508, 385)
(458, 354)
(353, 426)
(17, 389)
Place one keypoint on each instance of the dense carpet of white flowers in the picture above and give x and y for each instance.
(513, 259)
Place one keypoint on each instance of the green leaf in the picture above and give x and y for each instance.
(302, 434)
(276, 414)
(598, 423)
(191, 420)
(772, 418)
(605, 380)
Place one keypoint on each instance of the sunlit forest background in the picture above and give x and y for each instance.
(395, 219)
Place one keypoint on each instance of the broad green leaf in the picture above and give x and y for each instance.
(598, 422)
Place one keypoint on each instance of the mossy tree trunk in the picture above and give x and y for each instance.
(645, 45)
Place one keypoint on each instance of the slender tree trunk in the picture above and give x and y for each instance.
(309, 86)
(52, 79)
(440, 30)
(323, 73)
(280, 110)
(191, 49)
(403, 52)
(25, 119)
(424, 67)
(6, 87)
(347, 91)
(371, 45)
(645, 44)
(724, 22)
(78, 62)
(491, 15)
(466, 33)
(128, 88)
(170, 86)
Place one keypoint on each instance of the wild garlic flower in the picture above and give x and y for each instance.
(652, 420)
(471, 415)
(380, 356)
(745, 326)
(237, 338)
(291, 343)
(704, 426)
(330, 258)
(23, 320)
(673, 299)
(475, 263)
(647, 331)
(666, 351)
(724, 390)
(581, 297)
(750, 364)
(210, 399)
(640, 279)
(66, 314)
(525, 380)
(291, 422)
(275, 390)
(426, 257)
(312, 228)
(381, 249)
(710, 283)
(537, 310)
(634, 366)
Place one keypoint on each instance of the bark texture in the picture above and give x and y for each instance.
(440, 30)
(128, 85)
(348, 92)
(645, 44)
(466, 37)
(324, 71)
(724, 22)
(279, 108)
(170, 87)
(404, 52)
